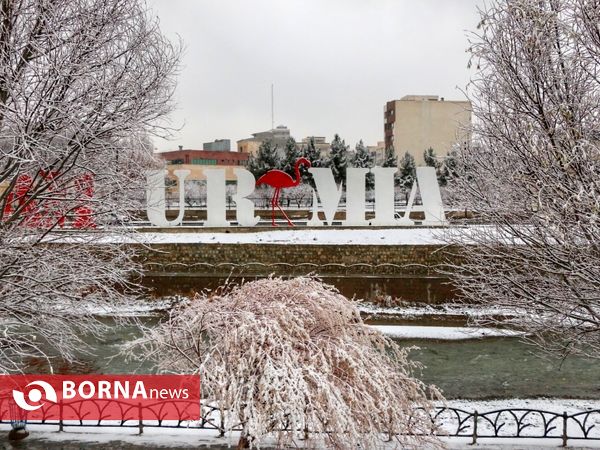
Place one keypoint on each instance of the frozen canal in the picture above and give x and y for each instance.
(462, 364)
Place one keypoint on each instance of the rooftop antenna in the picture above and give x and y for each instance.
(272, 109)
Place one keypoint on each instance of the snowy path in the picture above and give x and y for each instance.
(195, 438)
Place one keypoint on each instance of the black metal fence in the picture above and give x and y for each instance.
(445, 421)
(518, 423)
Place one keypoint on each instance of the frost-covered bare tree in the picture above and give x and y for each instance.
(262, 196)
(299, 196)
(532, 174)
(82, 85)
(293, 354)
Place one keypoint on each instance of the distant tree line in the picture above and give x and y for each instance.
(268, 158)
(340, 157)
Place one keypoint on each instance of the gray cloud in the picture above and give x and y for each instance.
(334, 63)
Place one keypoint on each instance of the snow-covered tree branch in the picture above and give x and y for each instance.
(82, 85)
(293, 354)
(532, 173)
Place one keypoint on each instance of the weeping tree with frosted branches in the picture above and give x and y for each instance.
(293, 354)
(532, 172)
(83, 84)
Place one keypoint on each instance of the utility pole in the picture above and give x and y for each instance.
(272, 109)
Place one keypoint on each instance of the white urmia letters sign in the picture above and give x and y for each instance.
(326, 197)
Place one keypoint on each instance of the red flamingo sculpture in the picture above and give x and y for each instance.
(278, 180)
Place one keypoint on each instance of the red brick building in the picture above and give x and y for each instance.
(205, 157)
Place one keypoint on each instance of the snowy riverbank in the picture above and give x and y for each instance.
(442, 333)
(152, 307)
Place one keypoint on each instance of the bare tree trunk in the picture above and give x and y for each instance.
(243, 443)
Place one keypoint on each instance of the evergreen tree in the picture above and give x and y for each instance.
(430, 158)
(408, 171)
(432, 161)
(338, 159)
(266, 158)
(363, 159)
(448, 171)
(391, 160)
(291, 155)
(313, 154)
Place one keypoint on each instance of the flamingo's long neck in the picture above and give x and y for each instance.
(297, 170)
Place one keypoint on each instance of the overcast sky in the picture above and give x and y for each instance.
(334, 63)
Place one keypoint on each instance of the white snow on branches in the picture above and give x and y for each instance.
(531, 173)
(82, 85)
(293, 353)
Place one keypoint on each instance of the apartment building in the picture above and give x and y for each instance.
(417, 122)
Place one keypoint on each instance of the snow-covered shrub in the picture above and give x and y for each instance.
(294, 354)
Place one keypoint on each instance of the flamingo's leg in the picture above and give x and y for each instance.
(278, 193)
(290, 223)
(273, 204)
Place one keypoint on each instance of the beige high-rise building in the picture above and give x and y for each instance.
(417, 122)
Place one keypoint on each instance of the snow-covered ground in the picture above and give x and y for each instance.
(443, 333)
(133, 308)
(559, 405)
(149, 307)
(189, 438)
(346, 236)
(517, 444)
(444, 309)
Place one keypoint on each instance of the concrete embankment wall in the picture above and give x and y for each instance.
(409, 272)
(286, 259)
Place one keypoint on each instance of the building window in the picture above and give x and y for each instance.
(204, 162)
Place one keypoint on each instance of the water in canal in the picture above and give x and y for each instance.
(471, 369)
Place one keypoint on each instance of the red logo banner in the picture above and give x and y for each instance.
(100, 397)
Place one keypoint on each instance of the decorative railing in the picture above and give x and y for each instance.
(445, 421)
(518, 423)
(338, 269)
